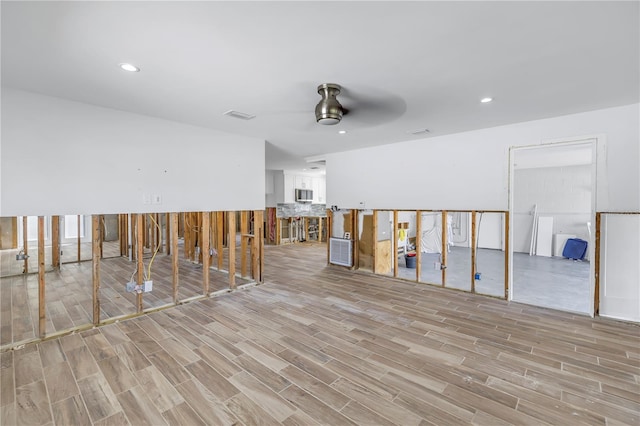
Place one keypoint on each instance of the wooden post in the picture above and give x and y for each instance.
(254, 248)
(123, 236)
(96, 255)
(596, 260)
(55, 241)
(320, 229)
(174, 253)
(220, 239)
(231, 218)
(244, 230)
(443, 249)
(79, 238)
(473, 251)
(394, 243)
(167, 237)
(41, 288)
(375, 241)
(25, 245)
(205, 232)
(418, 244)
(355, 237)
(140, 231)
(133, 232)
(506, 255)
(103, 232)
(259, 224)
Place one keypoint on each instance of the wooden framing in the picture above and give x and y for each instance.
(167, 236)
(96, 255)
(41, 289)
(418, 244)
(123, 234)
(133, 233)
(355, 237)
(259, 226)
(174, 253)
(394, 243)
(231, 243)
(79, 238)
(139, 257)
(244, 230)
(205, 232)
(473, 251)
(445, 242)
(255, 260)
(55, 241)
(220, 239)
(25, 244)
(596, 261)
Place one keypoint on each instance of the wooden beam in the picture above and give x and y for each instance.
(254, 249)
(244, 230)
(174, 253)
(443, 249)
(394, 243)
(320, 220)
(418, 244)
(220, 239)
(55, 241)
(506, 255)
(41, 287)
(140, 232)
(14, 232)
(231, 218)
(96, 255)
(25, 245)
(473, 251)
(596, 260)
(205, 232)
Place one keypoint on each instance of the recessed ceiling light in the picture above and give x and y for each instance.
(342, 132)
(486, 100)
(129, 67)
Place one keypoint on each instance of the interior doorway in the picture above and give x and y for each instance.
(552, 205)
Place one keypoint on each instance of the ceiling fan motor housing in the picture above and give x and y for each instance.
(329, 110)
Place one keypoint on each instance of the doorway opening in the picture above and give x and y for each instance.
(552, 204)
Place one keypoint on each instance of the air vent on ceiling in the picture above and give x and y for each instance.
(240, 115)
(418, 131)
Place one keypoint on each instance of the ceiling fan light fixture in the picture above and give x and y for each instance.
(328, 111)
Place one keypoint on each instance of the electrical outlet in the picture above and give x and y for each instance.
(148, 286)
(21, 256)
(131, 287)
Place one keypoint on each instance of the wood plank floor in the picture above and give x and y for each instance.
(322, 345)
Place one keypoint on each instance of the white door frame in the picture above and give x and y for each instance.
(598, 162)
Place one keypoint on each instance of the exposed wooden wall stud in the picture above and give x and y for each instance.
(55, 241)
(231, 217)
(96, 255)
(41, 285)
(174, 253)
(205, 232)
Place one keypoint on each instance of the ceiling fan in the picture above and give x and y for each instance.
(370, 107)
(329, 111)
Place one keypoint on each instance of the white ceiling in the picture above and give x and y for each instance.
(403, 65)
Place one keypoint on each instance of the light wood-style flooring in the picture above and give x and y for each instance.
(323, 345)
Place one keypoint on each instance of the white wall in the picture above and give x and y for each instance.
(470, 170)
(64, 157)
